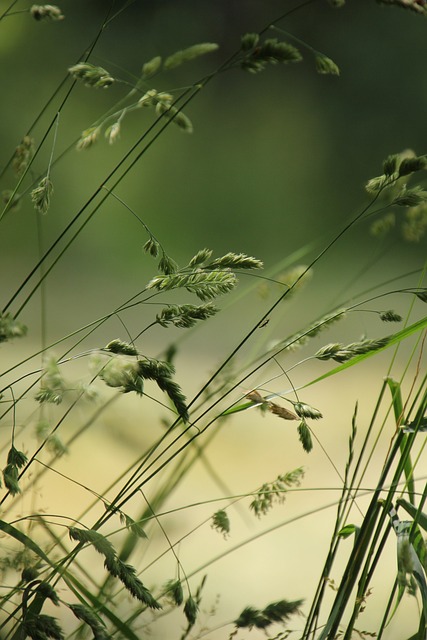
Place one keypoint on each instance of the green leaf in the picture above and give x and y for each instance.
(237, 408)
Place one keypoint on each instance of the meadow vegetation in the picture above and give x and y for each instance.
(114, 559)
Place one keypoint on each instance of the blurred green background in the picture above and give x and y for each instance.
(277, 161)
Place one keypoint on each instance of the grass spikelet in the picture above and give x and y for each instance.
(10, 328)
(94, 538)
(133, 527)
(249, 41)
(29, 574)
(275, 491)
(174, 392)
(46, 12)
(383, 225)
(280, 611)
(152, 247)
(390, 164)
(161, 372)
(177, 117)
(306, 411)
(256, 397)
(235, 261)
(412, 164)
(325, 66)
(41, 195)
(205, 286)
(16, 458)
(41, 627)
(273, 51)
(127, 576)
(150, 98)
(53, 385)
(53, 442)
(413, 5)
(341, 353)
(153, 369)
(91, 75)
(269, 52)
(88, 138)
(112, 133)
(377, 184)
(305, 436)
(200, 258)
(89, 617)
(410, 197)
(281, 412)
(167, 266)
(10, 479)
(48, 592)
(414, 227)
(123, 348)
(390, 316)
(221, 522)
(191, 609)
(301, 338)
(151, 67)
(119, 372)
(23, 154)
(185, 315)
(185, 55)
(173, 590)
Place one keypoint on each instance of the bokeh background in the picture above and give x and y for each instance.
(275, 167)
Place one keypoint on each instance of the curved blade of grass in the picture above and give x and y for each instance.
(237, 408)
(13, 532)
(398, 414)
(393, 339)
(414, 512)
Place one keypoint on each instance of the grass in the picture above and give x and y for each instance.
(102, 426)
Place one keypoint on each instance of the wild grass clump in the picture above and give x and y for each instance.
(133, 551)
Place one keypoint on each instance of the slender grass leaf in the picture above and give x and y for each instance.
(25, 540)
(398, 414)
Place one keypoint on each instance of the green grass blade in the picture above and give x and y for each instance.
(398, 414)
(10, 530)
